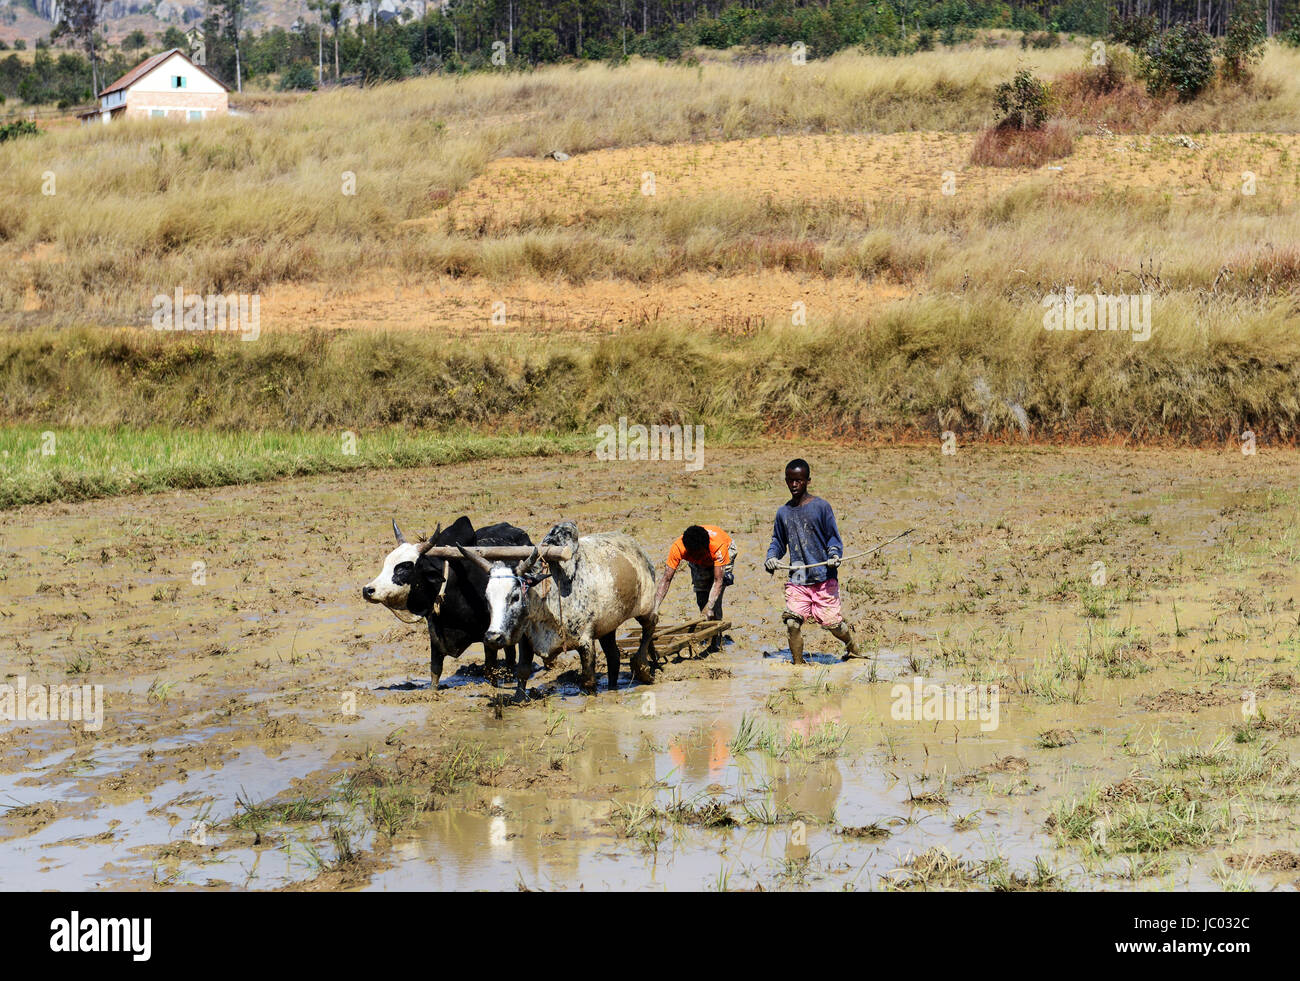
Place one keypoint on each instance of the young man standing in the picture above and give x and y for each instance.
(805, 527)
(712, 557)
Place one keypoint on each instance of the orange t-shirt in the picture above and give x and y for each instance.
(719, 552)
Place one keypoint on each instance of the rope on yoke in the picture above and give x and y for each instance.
(535, 582)
(413, 620)
(844, 558)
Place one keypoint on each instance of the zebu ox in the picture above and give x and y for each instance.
(449, 594)
(579, 603)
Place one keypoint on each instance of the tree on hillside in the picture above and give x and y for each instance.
(173, 37)
(1243, 44)
(232, 16)
(336, 18)
(318, 6)
(360, 20)
(384, 58)
(83, 19)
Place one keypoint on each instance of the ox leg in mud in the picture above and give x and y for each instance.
(613, 661)
(644, 662)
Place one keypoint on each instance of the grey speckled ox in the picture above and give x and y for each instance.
(558, 606)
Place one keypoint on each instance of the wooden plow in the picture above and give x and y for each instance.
(693, 636)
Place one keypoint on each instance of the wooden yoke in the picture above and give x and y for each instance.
(502, 553)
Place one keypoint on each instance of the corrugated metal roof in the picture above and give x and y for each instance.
(139, 71)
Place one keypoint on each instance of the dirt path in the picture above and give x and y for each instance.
(239, 667)
(733, 304)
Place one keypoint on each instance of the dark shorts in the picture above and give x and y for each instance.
(702, 576)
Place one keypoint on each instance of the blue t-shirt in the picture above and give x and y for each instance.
(810, 534)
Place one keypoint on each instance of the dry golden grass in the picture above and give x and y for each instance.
(244, 203)
(848, 174)
(775, 185)
(578, 241)
(971, 363)
(1107, 96)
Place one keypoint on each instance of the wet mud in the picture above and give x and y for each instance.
(264, 728)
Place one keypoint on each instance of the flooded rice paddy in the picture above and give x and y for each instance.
(1124, 622)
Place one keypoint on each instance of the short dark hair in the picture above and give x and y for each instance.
(695, 538)
(799, 463)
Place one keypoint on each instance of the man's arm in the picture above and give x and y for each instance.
(718, 573)
(664, 583)
(831, 530)
(777, 548)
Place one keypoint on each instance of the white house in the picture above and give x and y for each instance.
(166, 86)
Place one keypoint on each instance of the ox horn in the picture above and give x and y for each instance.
(519, 569)
(401, 539)
(484, 564)
(428, 543)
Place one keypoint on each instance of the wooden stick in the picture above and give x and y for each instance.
(698, 638)
(673, 637)
(501, 553)
(714, 627)
(665, 631)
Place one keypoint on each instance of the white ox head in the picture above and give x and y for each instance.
(392, 587)
(507, 597)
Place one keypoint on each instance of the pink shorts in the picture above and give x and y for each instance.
(818, 602)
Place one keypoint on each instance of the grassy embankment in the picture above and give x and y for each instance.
(934, 365)
(90, 461)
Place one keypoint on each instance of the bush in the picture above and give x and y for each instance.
(659, 43)
(1023, 102)
(384, 58)
(1106, 95)
(1041, 39)
(712, 33)
(594, 49)
(299, 75)
(540, 46)
(1243, 44)
(1134, 31)
(1011, 146)
(954, 34)
(1181, 59)
(1110, 76)
(11, 131)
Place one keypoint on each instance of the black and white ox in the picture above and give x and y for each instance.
(552, 606)
(447, 593)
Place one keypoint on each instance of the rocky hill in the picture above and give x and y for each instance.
(32, 19)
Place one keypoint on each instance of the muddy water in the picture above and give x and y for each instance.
(240, 668)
